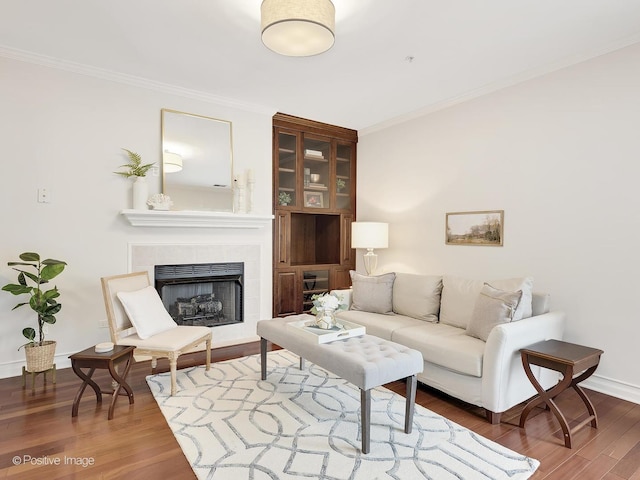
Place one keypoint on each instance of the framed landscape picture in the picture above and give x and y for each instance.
(475, 228)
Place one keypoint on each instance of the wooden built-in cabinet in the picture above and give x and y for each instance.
(314, 203)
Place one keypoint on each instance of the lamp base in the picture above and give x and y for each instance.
(370, 261)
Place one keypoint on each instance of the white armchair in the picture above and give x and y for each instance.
(169, 343)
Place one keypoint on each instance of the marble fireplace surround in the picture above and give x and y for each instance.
(144, 257)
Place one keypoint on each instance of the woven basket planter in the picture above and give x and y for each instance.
(40, 357)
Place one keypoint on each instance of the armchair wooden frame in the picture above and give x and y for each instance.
(171, 344)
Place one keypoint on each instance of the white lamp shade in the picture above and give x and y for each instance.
(369, 235)
(172, 162)
(298, 28)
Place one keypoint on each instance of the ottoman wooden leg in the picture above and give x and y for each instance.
(412, 383)
(365, 419)
(263, 358)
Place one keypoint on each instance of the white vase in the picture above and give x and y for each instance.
(140, 194)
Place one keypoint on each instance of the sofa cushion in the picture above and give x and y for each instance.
(459, 297)
(372, 293)
(493, 307)
(417, 296)
(444, 345)
(378, 324)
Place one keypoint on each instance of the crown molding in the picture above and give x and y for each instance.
(140, 82)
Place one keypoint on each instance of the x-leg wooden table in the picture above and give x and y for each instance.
(568, 359)
(90, 359)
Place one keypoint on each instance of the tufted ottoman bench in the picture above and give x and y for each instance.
(366, 361)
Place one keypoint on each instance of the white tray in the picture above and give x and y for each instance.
(343, 331)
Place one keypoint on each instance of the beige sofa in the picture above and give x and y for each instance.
(439, 316)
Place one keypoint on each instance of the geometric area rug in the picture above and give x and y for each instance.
(305, 424)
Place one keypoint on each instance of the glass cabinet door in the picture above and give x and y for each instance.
(344, 180)
(287, 169)
(314, 282)
(316, 173)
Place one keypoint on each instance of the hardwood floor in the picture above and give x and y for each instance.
(138, 444)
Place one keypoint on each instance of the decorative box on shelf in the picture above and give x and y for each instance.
(342, 331)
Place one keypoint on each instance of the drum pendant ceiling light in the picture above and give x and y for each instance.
(298, 28)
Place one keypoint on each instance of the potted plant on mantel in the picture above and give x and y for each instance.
(135, 168)
(39, 354)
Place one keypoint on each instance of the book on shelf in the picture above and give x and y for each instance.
(313, 153)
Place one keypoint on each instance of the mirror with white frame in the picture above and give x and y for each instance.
(197, 161)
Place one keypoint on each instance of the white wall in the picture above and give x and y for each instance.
(64, 131)
(560, 154)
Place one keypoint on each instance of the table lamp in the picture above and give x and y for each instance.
(370, 235)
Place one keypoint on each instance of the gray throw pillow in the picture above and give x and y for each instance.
(493, 307)
(372, 293)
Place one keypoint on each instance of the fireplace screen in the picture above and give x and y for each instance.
(208, 294)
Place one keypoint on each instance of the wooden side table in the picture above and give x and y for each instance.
(90, 359)
(568, 359)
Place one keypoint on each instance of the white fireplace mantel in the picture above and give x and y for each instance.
(188, 218)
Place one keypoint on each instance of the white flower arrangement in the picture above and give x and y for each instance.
(160, 201)
(327, 302)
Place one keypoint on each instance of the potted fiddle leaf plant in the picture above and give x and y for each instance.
(39, 352)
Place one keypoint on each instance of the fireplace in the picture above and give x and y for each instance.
(209, 294)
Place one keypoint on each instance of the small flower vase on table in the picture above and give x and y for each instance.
(326, 319)
(324, 308)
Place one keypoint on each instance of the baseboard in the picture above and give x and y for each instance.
(615, 388)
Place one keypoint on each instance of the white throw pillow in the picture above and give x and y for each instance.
(459, 298)
(524, 309)
(372, 293)
(493, 307)
(146, 311)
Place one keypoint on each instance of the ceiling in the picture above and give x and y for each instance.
(459, 49)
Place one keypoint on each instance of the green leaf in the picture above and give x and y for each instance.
(37, 303)
(52, 271)
(135, 158)
(17, 289)
(19, 305)
(13, 264)
(32, 276)
(51, 294)
(53, 309)
(52, 261)
(30, 257)
(50, 319)
(29, 333)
